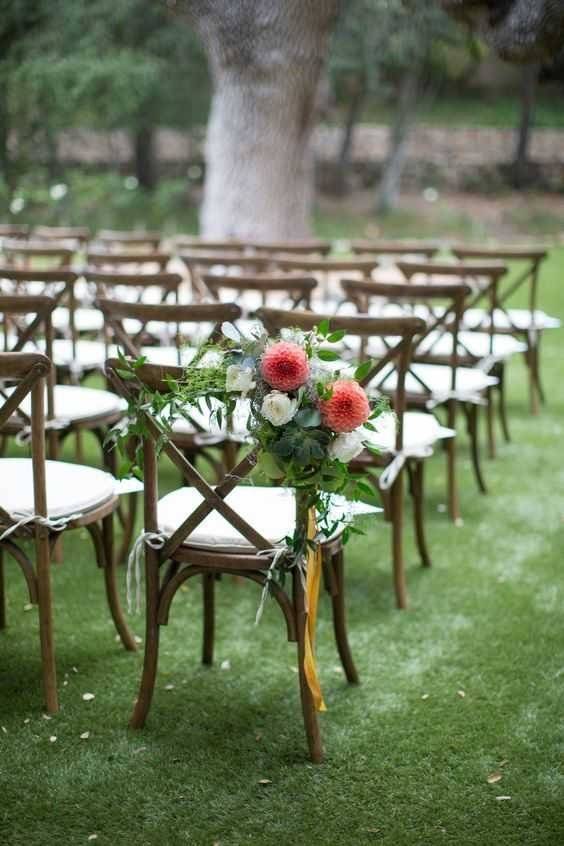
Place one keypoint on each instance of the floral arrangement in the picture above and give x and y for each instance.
(306, 411)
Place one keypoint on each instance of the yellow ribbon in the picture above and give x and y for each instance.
(313, 581)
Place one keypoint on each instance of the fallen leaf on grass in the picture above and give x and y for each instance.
(88, 697)
(93, 837)
(53, 738)
(494, 777)
(226, 665)
(265, 781)
(425, 696)
(28, 606)
(169, 687)
(4, 729)
(502, 798)
(85, 735)
(461, 693)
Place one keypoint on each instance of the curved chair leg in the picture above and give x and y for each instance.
(416, 477)
(152, 631)
(503, 417)
(339, 618)
(2, 593)
(45, 604)
(208, 587)
(472, 417)
(396, 516)
(112, 593)
(308, 708)
(490, 418)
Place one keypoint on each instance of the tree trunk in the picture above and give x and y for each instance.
(357, 92)
(145, 166)
(6, 168)
(266, 58)
(528, 97)
(388, 189)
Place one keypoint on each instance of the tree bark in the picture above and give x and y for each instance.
(357, 92)
(388, 189)
(528, 98)
(266, 57)
(145, 166)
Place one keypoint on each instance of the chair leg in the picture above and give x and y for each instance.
(208, 587)
(340, 619)
(308, 708)
(490, 418)
(152, 632)
(416, 476)
(2, 593)
(396, 511)
(112, 593)
(472, 416)
(45, 604)
(503, 416)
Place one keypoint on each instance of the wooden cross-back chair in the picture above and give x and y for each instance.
(76, 234)
(328, 271)
(526, 323)
(486, 349)
(312, 247)
(126, 326)
(293, 289)
(200, 262)
(128, 262)
(432, 383)
(234, 529)
(39, 500)
(208, 245)
(119, 240)
(37, 254)
(15, 231)
(394, 249)
(416, 432)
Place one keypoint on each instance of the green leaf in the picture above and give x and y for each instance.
(363, 370)
(337, 336)
(308, 418)
(323, 328)
(125, 374)
(328, 355)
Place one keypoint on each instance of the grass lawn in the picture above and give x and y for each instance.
(470, 681)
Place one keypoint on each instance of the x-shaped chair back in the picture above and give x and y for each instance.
(298, 289)
(127, 262)
(398, 334)
(395, 249)
(528, 259)
(119, 241)
(76, 234)
(198, 262)
(443, 318)
(107, 284)
(40, 254)
(310, 248)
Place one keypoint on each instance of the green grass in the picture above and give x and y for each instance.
(401, 769)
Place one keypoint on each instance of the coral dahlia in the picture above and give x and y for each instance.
(285, 366)
(347, 408)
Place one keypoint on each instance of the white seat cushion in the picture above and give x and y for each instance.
(85, 319)
(75, 403)
(270, 511)
(71, 488)
(169, 355)
(516, 318)
(470, 381)
(419, 430)
(477, 344)
(87, 355)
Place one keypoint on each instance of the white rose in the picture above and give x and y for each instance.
(347, 446)
(278, 408)
(239, 379)
(211, 358)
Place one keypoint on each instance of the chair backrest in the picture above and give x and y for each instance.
(118, 241)
(14, 230)
(130, 262)
(159, 378)
(443, 307)
(197, 263)
(116, 313)
(39, 254)
(78, 234)
(398, 334)
(297, 289)
(311, 247)
(115, 283)
(191, 243)
(58, 285)
(328, 270)
(27, 373)
(395, 249)
(528, 259)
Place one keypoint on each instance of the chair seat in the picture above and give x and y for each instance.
(519, 319)
(86, 355)
(477, 344)
(169, 355)
(270, 511)
(71, 488)
(85, 319)
(419, 430)
(470, 381)
(75, 403)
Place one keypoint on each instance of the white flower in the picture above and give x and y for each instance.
(17, 205)
(239, 379)
(385, 425)
(211, 358)
(347, 446)
(293, 336)
(278, 408)
(58, 191)
(130, 183)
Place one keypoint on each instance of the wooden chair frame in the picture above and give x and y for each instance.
(298, 288)
(199, 262)
(106, 261)
(185, 562)
(22, 254)
(398, 356)
(29, 371)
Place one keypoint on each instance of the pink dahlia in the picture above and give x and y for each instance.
(285, 366)
(347, 408)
